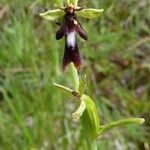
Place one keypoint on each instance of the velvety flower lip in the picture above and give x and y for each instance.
(70, 28)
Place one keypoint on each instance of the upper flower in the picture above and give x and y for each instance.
(70, 6)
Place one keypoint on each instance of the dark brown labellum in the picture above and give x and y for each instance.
(70, 28)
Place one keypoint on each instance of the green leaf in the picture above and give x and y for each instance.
(78, 113)
(120, 123)
(82, 85)
(52, 15)
(90, 13)
(75, 2)
(58, 3)
(64, 90)
(90, 119)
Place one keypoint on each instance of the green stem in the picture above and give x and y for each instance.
(119, 123)
(91, 145)
(75, 77)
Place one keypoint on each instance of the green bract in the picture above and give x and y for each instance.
(79, 111)
(82, 85)
(64, 90)
(53, 15)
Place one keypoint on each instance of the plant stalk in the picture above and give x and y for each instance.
(91, 145)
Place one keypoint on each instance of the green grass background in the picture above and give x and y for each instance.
(34, 115)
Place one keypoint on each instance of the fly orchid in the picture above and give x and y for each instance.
(70, 27)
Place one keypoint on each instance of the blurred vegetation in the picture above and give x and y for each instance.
(33, 115)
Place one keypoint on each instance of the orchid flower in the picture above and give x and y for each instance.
(71, 27)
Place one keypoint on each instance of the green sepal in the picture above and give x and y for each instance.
(58, 3)
(68, 2)
(52, 15)
(90, 119)
(90, 13)
(64, 90)
(74, 2)
(82, 85)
